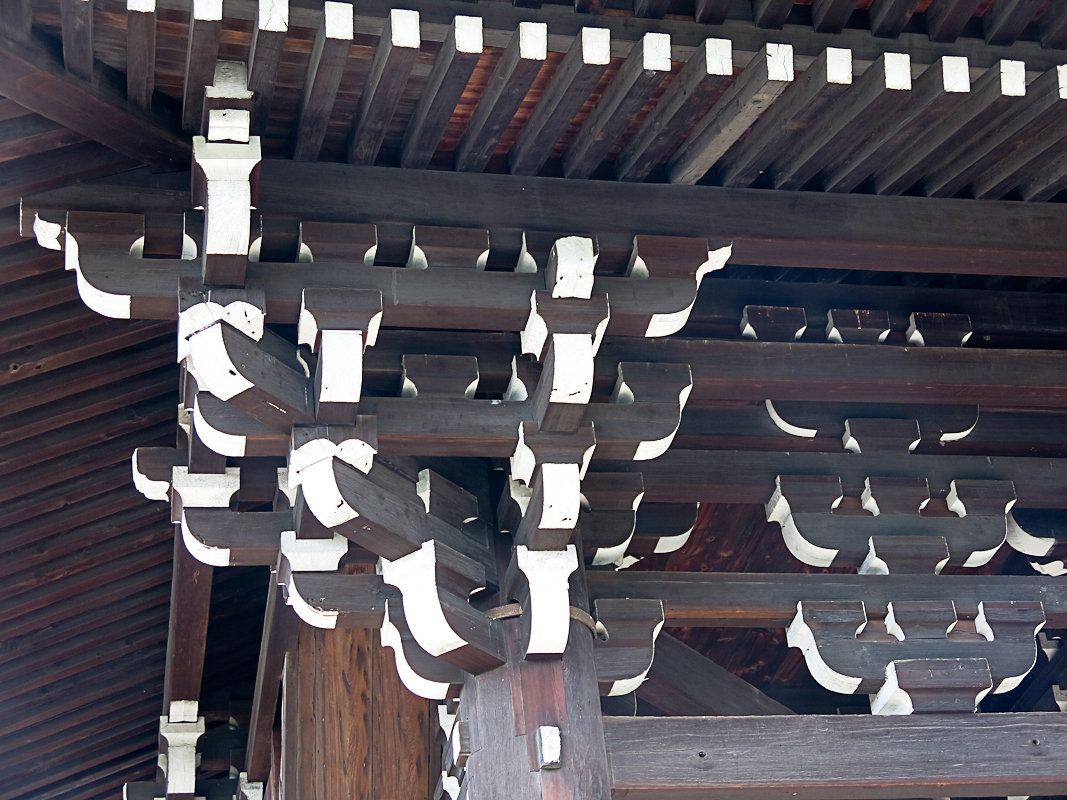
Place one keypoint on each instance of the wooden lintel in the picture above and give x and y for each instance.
(754, 600)
(831, 758)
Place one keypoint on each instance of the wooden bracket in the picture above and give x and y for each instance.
(338, 325)
(423, 674)
(205, 489)
(153, 469)
(645, 411)
(773, 323)
(179, 732)
(1040, 534)
(262, 383)
(311, 465)
(244, 309)
(675, 258)
(435, 246)
(539, 580)
(881, 435)
(933, 686)
(609, 514)
(438, 376)
(436, 581)
(846, 652)
(804, 507)
(626, 643)
(938, 330)
(224, 538)
(856, 326)
(224, 161)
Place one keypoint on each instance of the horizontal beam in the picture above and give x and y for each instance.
(747, 476)
(834, 758)
(37, 80)
(766, 228)
(754, 600)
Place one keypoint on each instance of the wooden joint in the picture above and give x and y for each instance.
(224, 538)
(625, 644)
(928, 329)
(436, 581)
(856, 326)
(773, 323)
(539, 580)
(848, 653)
(437, 246)
(438, 376)
(311, 465)
(881, 435)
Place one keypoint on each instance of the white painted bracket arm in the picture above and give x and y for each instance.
(546, 612)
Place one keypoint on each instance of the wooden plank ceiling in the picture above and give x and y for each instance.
(858, 133)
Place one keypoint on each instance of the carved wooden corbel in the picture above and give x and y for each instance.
(205, 489)
(422, 674)
(847, 653)
(153, 470)
(661, 528)
(224, 538)
(645, 411)
(804, 507)
(609, 514)
(929, 329)
(315, 449)
(436, 246)
(670, 260)
(856, 326)
(626, 643)
(539, 581)
(436, 581)
(179, 732)
(773, 323)
(429, 376)
(338, 325)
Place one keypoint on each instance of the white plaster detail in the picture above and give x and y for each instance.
(152, 490)
(415, 575)
(206, 489)
(181, 740)
(784, 425)
(341, 365)
(225, 444)
(210, 363)
(547, 572)
(315, 617)
(799, 635)
(205, 554)
(416, 684)
(574, 260)
(313, 555)
(671, 322)
(47, 233)
(115, 306)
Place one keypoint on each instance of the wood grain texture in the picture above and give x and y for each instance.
(140, 57)
(77, 23)
(835, 757)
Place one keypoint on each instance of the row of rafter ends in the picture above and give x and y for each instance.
(941, 133)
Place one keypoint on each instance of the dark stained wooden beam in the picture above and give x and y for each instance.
(328, 59)
(682, 682)
(444, 87)
(280, 630)
(803, 103)
(964, 126)
(397, 50)
(765, 78)
(511, 80)
(689, 96)
(766, 228)
(1052, 26)
(43, 171)
(201, 53)
(945, 19)
(640, 75)
(190, 605)
(77, 22)
(700, 758)
(681, 476)
(576, 76)
(268, 42)
(830, 16)
(751, 600)
(141, 53)
(1007, 19)
(34, 78)
(771, 13)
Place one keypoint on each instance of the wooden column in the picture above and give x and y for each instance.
(349, 727)
(190, 602)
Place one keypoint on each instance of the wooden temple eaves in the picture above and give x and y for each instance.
(469, 475)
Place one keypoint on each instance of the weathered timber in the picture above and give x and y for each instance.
(682, 682)
(888, 18)
(690, 95)
(511, 80)
(576, 76)
(141, 53)
(190, 605)
(835, 757)
(641, 73)
(765, 78)
(945, 19)
(328, 59)
(1007, 19)
(750, 600)
(202, 51)
(389, 71)
(31, 76)
(264, 56)
(76, 17)
(444, 87)
(766, 228)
